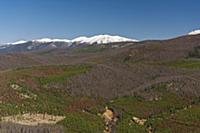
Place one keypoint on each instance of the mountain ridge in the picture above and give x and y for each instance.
(48, 43)
(99, 39)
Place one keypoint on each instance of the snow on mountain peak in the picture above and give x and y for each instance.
(48, 40)
(195, 32)
(18, 42)
(81, 39)
(102, 39)
(98, 39)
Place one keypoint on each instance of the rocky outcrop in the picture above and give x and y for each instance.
(110, 120)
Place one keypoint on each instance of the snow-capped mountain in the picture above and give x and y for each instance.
(98, 39)
(39, 44)
(102, 39)
(48, 43)
(195, 32)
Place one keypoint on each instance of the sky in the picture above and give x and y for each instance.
(137, 19)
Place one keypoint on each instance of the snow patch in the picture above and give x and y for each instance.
(195, 32)
(48, 40)
(16, 43)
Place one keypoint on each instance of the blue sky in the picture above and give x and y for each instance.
(140, 19)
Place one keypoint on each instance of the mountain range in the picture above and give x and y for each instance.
(47, 43)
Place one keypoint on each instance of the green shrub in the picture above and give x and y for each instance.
(82, 123)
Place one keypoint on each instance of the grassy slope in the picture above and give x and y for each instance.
(45, 83)
(48, 84)
(184, 121)
(82, 122)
